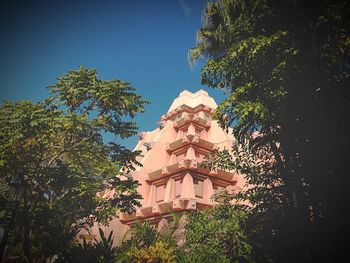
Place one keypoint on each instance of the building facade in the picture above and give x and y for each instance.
(171, 177)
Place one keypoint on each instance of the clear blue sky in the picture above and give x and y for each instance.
(145, 42)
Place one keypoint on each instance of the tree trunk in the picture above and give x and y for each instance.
(26, 232)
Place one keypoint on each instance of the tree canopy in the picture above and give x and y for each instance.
(285, 68)
(55, 148)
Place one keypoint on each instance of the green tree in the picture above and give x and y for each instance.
(285, 67)
(218, 233)
(55, 148)
(266, 196)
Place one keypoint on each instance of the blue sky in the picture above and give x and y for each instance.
(145, 42)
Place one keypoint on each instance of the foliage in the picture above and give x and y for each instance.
(285, 68)
(156, 253)
(218, 233)
(265, 195)
(100, 251)
(147, 242)
(172, 231)
(56, 150)
(211, 235)
(140, 235)
(143, 235)
(189, 257)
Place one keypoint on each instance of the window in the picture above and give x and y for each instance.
(160, 193)
(198, 187)
(180, 157)
(178, 184)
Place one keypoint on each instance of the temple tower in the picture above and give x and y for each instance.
(171, 178)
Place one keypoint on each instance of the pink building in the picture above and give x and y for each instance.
(171, 179)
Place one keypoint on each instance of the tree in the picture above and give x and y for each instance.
(265, 194)
(218, 233)
(56, 149)
(285, 67)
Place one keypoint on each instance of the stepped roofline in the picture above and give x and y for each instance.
(193, 99)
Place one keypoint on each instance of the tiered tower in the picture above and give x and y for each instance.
(171, 178)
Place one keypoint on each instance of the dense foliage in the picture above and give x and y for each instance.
(218, 233)
(143, 243)
(55, 149)
(285, 68)
(100, 250)
(211, 235)
(157, 252)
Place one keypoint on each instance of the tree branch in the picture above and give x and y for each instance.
(54, 158)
